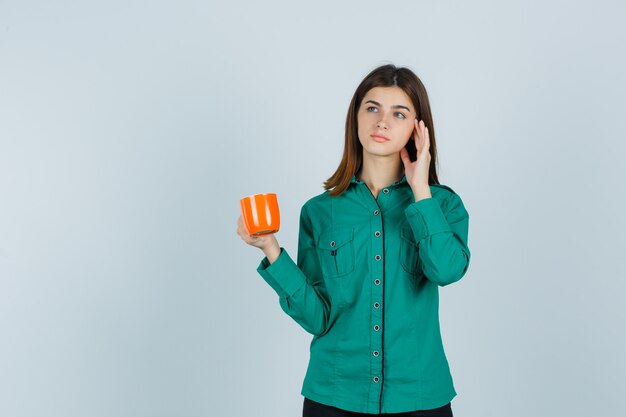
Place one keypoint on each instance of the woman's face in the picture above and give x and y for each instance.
(385, 120)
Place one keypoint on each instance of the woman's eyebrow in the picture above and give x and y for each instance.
(397, 106)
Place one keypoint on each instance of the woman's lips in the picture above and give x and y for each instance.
(379, 138)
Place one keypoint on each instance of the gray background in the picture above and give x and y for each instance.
(130, 129)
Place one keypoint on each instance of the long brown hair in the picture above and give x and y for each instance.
(384, 76)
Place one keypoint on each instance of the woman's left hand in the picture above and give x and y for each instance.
(417, 172)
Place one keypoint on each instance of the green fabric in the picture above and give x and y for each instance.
(332, 293)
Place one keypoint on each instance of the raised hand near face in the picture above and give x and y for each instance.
(417, 172)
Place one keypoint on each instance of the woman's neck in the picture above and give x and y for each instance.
(380, 172)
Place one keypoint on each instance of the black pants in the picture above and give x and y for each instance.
(314, 409)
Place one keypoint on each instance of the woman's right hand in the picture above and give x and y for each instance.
(267, 243)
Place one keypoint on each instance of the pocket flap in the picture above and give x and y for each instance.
(334, 239)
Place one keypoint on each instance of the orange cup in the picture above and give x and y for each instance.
(260, 214)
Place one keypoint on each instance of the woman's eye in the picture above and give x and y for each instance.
(401, 115)
(370, 107)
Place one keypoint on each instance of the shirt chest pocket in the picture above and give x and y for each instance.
(409, 254)
(336, 252)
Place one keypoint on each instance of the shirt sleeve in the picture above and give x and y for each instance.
(300, 287)
(441, 235)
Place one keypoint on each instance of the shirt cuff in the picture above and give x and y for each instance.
(284, 276)
(426, 218)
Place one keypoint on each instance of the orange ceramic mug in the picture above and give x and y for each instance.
(260, 214)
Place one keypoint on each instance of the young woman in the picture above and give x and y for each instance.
(373, 250)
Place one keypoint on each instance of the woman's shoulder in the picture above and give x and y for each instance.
(317, 200)
(443, 192)
(448, 198)
(443, 187)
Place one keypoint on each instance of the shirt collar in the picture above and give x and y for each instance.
(402, 180)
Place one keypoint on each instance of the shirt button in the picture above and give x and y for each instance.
(375, 353)
(377, 281)
(386, 190)
(377, 233)
(376, 305)
(375, 212)
(332, 243)
(377, 257)
(376, 328)
(375, 379)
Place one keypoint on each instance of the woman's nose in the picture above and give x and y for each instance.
(382, 122)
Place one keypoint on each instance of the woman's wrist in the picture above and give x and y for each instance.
(422, 191)
(272, 252)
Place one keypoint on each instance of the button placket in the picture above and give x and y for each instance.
(377, 275)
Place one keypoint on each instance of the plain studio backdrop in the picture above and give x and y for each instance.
(129, 130)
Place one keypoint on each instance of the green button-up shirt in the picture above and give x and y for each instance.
(366, 286)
